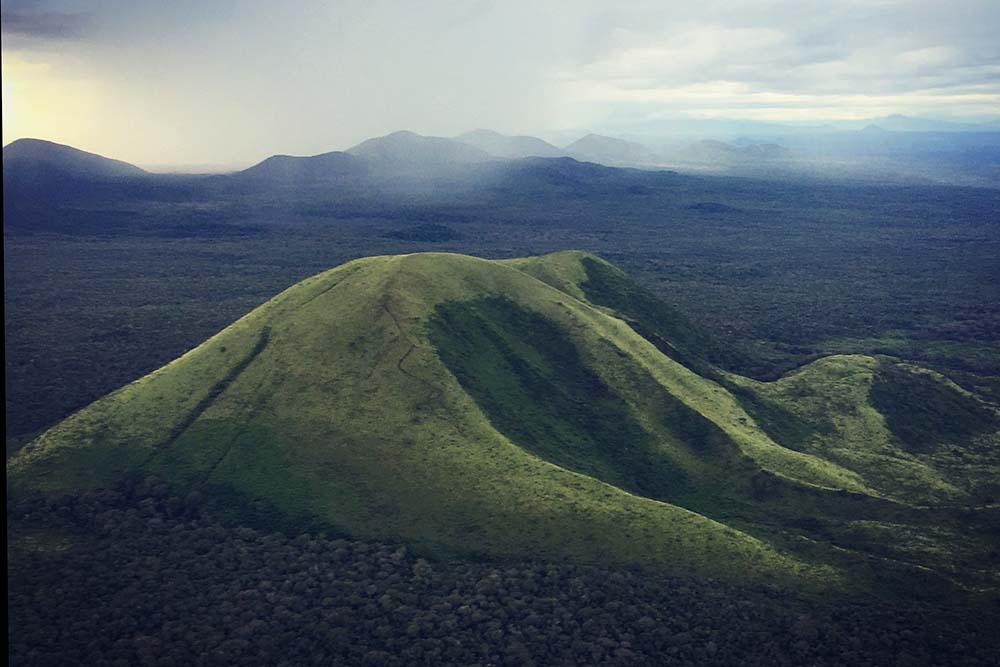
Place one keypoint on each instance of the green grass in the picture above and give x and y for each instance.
(477, 407)
(531, 382)
(910, 433)
(924, 411)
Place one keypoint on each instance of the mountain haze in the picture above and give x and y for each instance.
(406, 150)
(30, 160)
(714, 151)
(58, 156)
(501, 145)
(43, 175)
(901, 123)
(293, 170)
(610, 151)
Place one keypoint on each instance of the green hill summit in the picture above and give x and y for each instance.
(549, 407)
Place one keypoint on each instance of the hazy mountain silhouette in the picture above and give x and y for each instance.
(40, 174)
(406, 151)
(716, 151)
(289, 170)
(901, 123)
(35, 159)
(610, 151)
(505, 146)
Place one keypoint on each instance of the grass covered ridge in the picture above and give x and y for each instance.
(508, 409)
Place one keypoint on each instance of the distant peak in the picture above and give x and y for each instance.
(27, 141)
(409, 148)
(482, 132)
(602, 138)
(67, 158)
(404, 134)
(507, 146)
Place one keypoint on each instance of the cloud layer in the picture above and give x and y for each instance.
(233, 80)
(794, 60)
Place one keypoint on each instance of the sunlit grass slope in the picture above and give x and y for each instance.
(539, 407)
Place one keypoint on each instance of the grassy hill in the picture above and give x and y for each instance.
(550, 407)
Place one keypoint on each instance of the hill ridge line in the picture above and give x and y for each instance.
(213, 394)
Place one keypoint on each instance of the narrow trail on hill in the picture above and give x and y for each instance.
(436, 392)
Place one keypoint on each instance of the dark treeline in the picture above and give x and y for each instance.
(135, 576)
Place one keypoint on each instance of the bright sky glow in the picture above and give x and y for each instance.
(187, 82)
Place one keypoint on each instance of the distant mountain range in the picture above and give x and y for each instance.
(480, 157)
(38, 169)
(712, 151)
(728, 129)
(900, 123)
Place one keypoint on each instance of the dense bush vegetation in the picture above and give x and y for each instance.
(99, 292)
(428, 233)
(137, 577)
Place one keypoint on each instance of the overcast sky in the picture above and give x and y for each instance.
(232, 81)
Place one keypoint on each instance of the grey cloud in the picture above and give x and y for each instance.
(846, 47)
(29, 20)
(195, 80)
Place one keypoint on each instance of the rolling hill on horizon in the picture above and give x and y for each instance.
(44, 175)
(38, 154)
(48, 171)
(503, 146)
(39, 173)
(35, 169)
(290, 170)
(721, 151)
(41, 198)
(551, 407)
(611, 151)
(405, 150)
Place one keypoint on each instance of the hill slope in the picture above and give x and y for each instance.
(508, 409)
